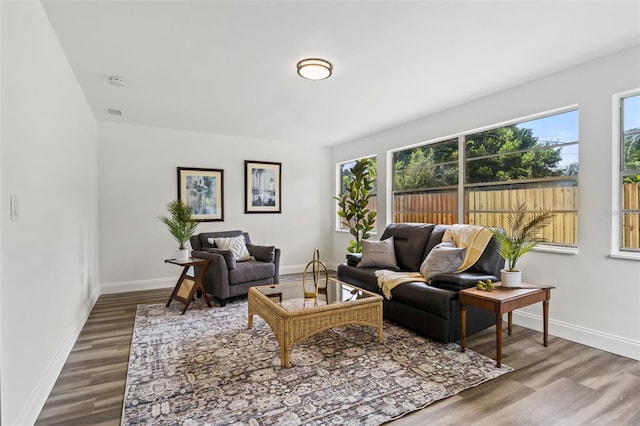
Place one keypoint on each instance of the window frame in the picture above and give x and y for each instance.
(617, 173)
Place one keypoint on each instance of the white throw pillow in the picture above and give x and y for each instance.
(237, 245)
(379, 254)
(443, 259)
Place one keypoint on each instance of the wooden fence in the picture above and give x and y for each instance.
(631, 221)
(490, 208)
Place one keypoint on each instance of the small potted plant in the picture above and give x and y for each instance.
(522, 236)
(181, 225)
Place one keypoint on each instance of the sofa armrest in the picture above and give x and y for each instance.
(216, 280)
(353, 259)
(460, 280)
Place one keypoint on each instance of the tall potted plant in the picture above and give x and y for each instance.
(181, 225)
(521, 237)
(353, 204)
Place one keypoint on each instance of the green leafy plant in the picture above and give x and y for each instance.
(522, 236)
(181, 224)
(352, 204)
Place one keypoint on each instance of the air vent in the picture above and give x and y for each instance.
(113, 111)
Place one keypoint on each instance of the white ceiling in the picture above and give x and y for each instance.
(229, 67)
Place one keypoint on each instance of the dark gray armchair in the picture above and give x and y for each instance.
(227, 277)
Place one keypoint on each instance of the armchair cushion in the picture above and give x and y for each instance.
(237, 245)
(228, 256)
(262, 253)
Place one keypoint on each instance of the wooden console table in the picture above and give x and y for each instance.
(504, 300)
(187, 285)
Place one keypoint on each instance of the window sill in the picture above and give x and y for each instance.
(556, 249)
(625, 255)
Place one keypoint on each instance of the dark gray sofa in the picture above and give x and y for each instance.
(433, 309)
(227, 278)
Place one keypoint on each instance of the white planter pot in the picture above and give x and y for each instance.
(182, 255)
(510, 278)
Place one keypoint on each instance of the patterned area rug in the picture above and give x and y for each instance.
(206, 368)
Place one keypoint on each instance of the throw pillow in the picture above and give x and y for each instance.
(237, 246)
(228, 256)
(379, 254)
(262, 253)
(443, 259)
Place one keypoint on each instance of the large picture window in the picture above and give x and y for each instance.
(535, 161)
(425, 181)
(630, 173)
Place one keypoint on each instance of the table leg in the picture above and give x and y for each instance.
(510, 322)
(499, 340)
(545, 314)
(463, 326)
(178, 284)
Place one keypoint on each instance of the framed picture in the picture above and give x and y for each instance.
(202, 190)
(262, 187)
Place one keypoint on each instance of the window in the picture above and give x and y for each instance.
(629, 179)
(344, 175)
(425, 182)
(535, 161)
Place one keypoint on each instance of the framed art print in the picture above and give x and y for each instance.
(262, 187)
(202, 190)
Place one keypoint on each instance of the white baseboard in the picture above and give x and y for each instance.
(139, 285)
(156, 283)
(585, 336)
(30, 412)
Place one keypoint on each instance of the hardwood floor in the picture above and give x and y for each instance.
(563, 384)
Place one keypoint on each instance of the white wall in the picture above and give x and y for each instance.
(49, 258)
(137, 177)
(596, 297)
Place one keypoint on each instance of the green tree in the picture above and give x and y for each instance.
(426, 166)
(524, 157)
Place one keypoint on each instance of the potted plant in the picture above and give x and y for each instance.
(521, 237)
(353, 204)
(181, 225)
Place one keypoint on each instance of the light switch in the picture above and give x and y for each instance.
(15, 208)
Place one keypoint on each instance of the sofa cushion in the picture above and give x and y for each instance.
(262, 253)
(237, 245)
(443, 258)
(202, 240)
(229, 259)
(378, 254)
(409, 240)
(251, 270)
(422, 296)
(490, 261)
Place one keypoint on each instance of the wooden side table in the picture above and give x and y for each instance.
(187, 285)
(500, 301)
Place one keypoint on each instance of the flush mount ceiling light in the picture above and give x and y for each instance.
(117, 81)
(314, 69)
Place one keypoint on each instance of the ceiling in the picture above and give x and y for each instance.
(229, 67)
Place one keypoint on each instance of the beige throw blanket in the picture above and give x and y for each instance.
(388, 280)
(474, 238)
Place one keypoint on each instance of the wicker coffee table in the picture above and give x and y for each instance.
(293, 318)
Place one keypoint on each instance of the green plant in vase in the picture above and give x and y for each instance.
(522, 236)
(181, 225)
(353, 204)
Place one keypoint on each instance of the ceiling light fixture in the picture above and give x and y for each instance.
(314, 69)
(117, 81)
